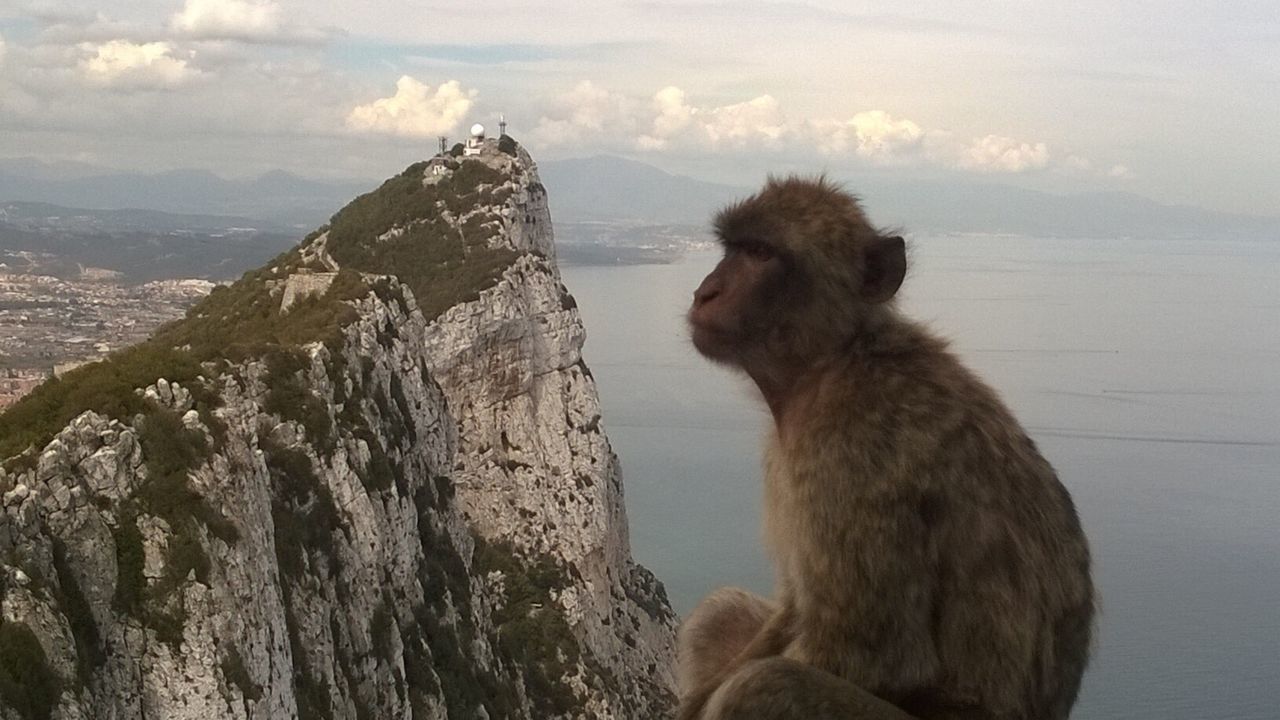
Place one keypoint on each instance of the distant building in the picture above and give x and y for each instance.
(475, 142)
(15, 383)
(301, 284)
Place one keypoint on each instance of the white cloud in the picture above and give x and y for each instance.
(235, 19)
(670, 122)
(873, 134)
(1121, 172)
(2, 50)
(674, 115)
(591, 107)
(759, 120)
(246, 20)
(126, 64)
(667, 121)
(995, 153)
(587, 112)
(415, 110)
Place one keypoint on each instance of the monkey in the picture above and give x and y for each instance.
(930, 565)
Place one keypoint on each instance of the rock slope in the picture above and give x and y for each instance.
(366, 481)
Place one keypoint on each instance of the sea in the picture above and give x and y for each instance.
(1147, 371)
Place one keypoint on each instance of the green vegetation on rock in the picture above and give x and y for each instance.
(532, 632)
(441, 240)
(105, 387)
(303, 513)
(289, 396)
(442, 265)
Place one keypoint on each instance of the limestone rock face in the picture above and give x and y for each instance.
(419, 517)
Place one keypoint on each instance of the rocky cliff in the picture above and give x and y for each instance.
(368, 480)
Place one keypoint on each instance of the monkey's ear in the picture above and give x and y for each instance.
(886, 266)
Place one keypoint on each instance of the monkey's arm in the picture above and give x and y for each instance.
(781, 689)
(874, 580)
(774, 637)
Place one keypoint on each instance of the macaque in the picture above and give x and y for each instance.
(929, 563)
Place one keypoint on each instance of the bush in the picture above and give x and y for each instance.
(304, 516)
(105, 387)
(442, 267)
(532, 631)
(290, 397)
(235, 322)
(171, 451)
(244, 320)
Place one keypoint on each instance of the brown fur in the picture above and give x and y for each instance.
(927, 554)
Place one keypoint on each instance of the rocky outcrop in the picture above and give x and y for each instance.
(392, 505)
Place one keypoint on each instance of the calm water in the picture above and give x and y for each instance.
(1148, 372)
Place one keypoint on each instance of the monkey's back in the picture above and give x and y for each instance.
(990, 604)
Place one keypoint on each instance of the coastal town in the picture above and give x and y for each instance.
(49, 326)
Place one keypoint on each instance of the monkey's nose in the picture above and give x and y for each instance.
(704, 294)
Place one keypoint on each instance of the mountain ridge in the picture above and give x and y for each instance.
(368, 479)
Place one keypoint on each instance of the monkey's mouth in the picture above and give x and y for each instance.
(715, 343)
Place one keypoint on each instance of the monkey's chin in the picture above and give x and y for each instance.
(713, 344)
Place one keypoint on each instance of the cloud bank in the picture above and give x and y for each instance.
(128, 65)
(414, 110)
(995, 153)
(671, 122)
(255, 21)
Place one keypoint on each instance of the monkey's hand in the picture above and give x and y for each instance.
(772, 639)
(691, 707)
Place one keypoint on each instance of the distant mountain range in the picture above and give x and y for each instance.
(140, 245)
(279, 197)
(47, 216)
(616, 190)
(612, 188)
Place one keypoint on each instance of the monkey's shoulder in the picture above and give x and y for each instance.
(921, 423)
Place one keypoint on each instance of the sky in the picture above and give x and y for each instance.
(1177, 100)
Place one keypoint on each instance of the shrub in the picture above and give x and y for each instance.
(234, 322)
(289, 395)
(171, 451)
(303, 513)
(442, 267)
(105, 387)
(532, 631)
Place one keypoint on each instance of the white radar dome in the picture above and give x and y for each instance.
(477, 131)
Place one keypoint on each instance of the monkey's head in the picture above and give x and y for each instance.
(803, 273)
